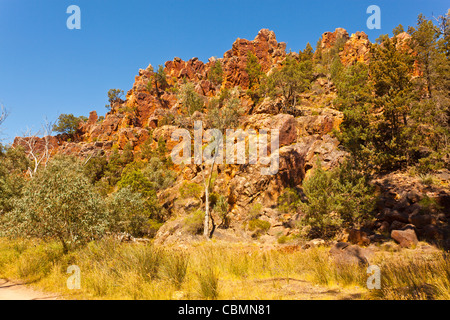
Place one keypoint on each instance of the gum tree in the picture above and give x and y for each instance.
(58, 203)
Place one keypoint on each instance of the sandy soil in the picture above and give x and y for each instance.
(17, 291)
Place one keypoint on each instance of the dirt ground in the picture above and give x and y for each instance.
(17, 291)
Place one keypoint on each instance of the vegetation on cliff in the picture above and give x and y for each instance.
(361, 109)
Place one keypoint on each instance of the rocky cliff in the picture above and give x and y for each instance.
(304, 138)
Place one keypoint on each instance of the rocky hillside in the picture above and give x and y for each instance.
(307, 134)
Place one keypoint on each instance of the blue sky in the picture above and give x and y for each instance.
(47, 69)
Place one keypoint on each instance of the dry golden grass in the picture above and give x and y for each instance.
(112, 270)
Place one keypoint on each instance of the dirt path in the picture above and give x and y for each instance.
(16, 291)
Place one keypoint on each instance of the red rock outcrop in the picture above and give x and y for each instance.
(356, 49)
(329, 39)
(265, 47)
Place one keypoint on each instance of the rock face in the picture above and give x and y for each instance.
(356, 49)
(329, 39)
(306, 134)
(265, 47)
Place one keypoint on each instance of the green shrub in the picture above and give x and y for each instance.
(255, 211)
(58, 203)
(68, 123)
(429, 205)
(288, 201)
(215, 74)
(129, 212)
(194, 222)
(259, 225)
(221, 207)
(336, 199)
(114, 95)
(282, 239)
(190, 190)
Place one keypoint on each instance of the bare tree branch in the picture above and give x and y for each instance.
(39, 150)
(3, 113)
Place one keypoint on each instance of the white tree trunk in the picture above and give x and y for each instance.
(206, 222)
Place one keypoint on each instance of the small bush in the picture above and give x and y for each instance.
(282, 239)
(221, 207)
(194, 222)
(255, 211)
(68, 123)
(190, 190)
(215, 74)
(288, 201)
(259, 226)
(426, 179)
(429, 205)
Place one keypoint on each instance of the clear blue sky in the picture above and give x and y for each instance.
(47, 69)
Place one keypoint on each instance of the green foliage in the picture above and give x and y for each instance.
(116, 163)
(190, 190)
(194, 222)
(258, 226)
(160, 77)
(137, 182)
(13, 165)
(224, 112)
(131, 213)
(58, 203)
(288, 201)
(68, 123)
(114, 95)
(391, 70)
(397, 30)
(326, 57)
(429, 205)
(430, 125)
(336, 199)
(355, 100)
(282, 239)
(157, 172)
(95, 168)
(391, 118)
(289, 81)
(220, 205)
(254, 70)
(215, 74)
(256, 78)
(191, 102)
(255, 211)
(307, 54)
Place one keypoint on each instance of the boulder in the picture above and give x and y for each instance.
(345, 253)
(405, 238)
(358, 237)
